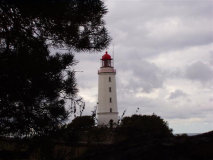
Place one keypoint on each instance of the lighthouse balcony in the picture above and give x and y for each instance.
(107, 70)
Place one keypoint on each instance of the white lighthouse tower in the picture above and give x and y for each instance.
(107, 96)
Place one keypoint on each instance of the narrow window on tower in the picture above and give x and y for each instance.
(110, 89)
(109, 79)
(110, 109)
(110, 100)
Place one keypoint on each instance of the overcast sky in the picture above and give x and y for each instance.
(164, 61)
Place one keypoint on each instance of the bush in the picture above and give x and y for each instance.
(83, 122)
(145, 124)
(181, 135)
(79, 128)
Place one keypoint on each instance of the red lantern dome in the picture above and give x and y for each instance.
(106, 56)
(106, 60)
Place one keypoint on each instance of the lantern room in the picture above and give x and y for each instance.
(106, 60)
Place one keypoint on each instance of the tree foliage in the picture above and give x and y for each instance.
(145, 124)
(73, 24)
(76, 130)
(35, 83)
(81, 123)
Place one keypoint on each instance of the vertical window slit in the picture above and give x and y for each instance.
(109, 79)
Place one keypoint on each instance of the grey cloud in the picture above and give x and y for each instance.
(145, 75)
(165, 109)
(150, 75)
(130, 102)
(182, 114)
(176, 94)
(178, 73)
(199, 71)
(211, 58)
(138, 25)
(84, 85)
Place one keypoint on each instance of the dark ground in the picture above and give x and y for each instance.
(151, 147)
(144, 147)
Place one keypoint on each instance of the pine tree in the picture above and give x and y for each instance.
(35, 83)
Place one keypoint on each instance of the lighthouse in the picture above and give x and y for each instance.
(107, 96)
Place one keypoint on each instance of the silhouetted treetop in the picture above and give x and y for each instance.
(145, 124)
(81, 122)
(75, 24)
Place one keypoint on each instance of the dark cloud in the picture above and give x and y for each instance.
(176, 94)
(200, 72)
(144, 76)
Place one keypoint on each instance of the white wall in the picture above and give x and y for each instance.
(104, 118)
(104, 95)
